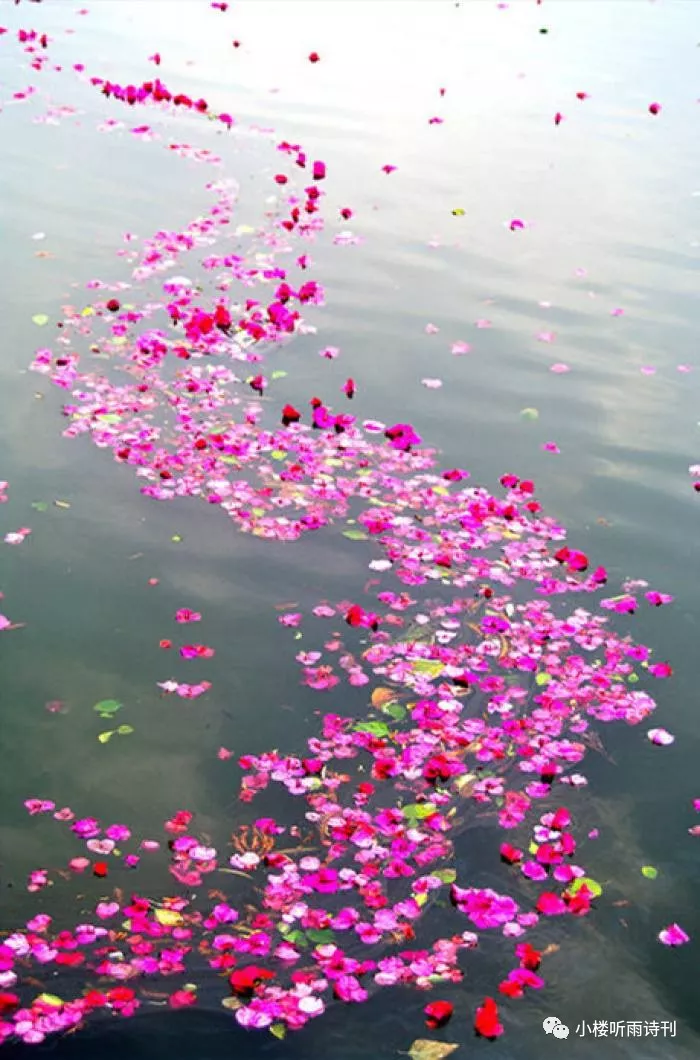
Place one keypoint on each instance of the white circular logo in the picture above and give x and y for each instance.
(553, 1025)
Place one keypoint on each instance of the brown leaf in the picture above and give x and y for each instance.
(552, 948)
(381, 697)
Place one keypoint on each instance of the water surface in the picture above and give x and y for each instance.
(611, 200)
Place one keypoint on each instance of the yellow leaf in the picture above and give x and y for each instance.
(424, 1049)
(50, 999)
(168, 917)
(465, 784)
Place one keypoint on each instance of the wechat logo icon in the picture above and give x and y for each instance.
(553, 1025)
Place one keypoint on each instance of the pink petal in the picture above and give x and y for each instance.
(661, 737)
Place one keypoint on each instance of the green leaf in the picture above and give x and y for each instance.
(105, 736)
(278, 374)
(374, 728)
(529, 414)
(446, 875)
(355, 535)
(419, 810)
(40, 319)
(176, 538)
(543, 679)
(426, 666)
(278, 1030)
(106, 707)
(109, 417)
(278, 454)
(125, 730)
(585, 881)
(395, 711)
(650, 872)
(40, 506)
(321, 937)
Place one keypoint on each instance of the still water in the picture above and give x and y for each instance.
(610, 198)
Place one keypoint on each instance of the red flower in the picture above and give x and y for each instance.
(437, 1014)
(290, 415)
(486, 1022)
(355, 615)
(510, 988)
(100, 868)
(528, 956)
(8, 1001)
(510, 854)
(113, 305)
(244, 980)
(120, 995)
(314, 57)
(69, 960)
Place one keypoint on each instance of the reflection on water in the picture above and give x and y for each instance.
(612, 223)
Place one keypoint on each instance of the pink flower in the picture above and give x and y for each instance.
(185, 615)
(550, 904)
(388, 169)
(182, 998)
(661, 737)
(657, 599)
(661, 669)
(654, 108)
(673, 935)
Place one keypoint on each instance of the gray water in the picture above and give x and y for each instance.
(611, 201)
